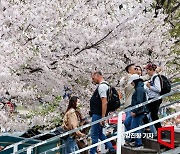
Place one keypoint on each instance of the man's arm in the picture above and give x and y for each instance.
(104, 106)
(103, 95)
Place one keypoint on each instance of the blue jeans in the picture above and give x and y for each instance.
(70, 145)
(152, 128)
(127, 121)
(136, 122)
(97, 133)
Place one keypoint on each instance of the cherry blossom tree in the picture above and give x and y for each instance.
(49, 44)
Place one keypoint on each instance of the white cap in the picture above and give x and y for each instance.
(133, 77)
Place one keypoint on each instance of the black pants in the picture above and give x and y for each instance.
(153, 109)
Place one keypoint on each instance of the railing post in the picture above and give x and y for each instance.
(119, 133)
(29, 150)
(15, 148)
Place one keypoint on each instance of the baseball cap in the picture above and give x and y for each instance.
(133, 77)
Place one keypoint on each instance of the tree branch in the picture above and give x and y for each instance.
(29, 39)
(175, 8)
(95, 44)
(33, 70)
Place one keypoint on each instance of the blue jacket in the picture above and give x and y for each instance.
(139, 96)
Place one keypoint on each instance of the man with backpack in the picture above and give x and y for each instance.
(98, 110)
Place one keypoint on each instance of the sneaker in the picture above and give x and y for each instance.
(127, 143)
(138, 146)
(155, 137)
(111, 151)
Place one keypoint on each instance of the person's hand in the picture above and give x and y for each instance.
(83, 135)
(120, 94)
(133, 114)
(102, 123)
(148, 84)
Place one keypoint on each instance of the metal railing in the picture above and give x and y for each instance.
(15, 146)
(120, 135)
(56, 149)
(169, 104)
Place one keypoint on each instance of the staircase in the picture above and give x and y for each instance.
(152, 146)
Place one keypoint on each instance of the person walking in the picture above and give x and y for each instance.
(153, 90)
(98, 110)
(126, 88)
(128, 91)
(71, 121)
(139, 96)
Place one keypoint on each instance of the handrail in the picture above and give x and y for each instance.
(130, 131)
(177, 101)
(152, 100)
(23, 141)
(62, 146)
(103, 119)
(175, 84)
(54, 149)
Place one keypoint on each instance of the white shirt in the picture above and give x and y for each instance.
(102, 89)
(155, 88)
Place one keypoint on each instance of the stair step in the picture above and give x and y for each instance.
(176, 135)
(172, 151)
(130, 150)
(153, 144)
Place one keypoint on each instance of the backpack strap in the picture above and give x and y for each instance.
(106, 84)
(160, 78)
(108, 91)
(153, 79)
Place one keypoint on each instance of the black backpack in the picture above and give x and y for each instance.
(165, 84)
(112, 98)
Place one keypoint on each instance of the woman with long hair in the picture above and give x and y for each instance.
(71, 120)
